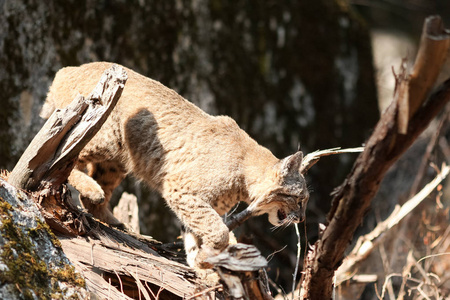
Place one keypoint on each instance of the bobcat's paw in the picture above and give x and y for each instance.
(196, 255)
(209, 276)
(87, 187)
(202, 255)
(95, 196)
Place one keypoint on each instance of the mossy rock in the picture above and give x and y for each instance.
(32, 263)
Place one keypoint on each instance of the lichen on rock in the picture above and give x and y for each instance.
(32, 263)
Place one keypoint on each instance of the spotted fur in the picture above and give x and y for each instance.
(201, 164)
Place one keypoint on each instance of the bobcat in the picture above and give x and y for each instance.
(201, 164)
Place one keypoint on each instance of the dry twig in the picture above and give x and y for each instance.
(367, 243)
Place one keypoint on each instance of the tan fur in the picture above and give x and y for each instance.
(201, 164)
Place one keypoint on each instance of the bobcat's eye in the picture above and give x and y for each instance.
(287, 197)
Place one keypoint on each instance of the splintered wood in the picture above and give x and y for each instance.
(241, 268)
(126, 269)
(51, 155)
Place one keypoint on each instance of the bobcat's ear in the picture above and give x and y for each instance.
(292, 163)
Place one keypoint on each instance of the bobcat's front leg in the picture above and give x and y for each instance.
(211, 235)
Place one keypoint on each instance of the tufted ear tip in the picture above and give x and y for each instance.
(292, 162)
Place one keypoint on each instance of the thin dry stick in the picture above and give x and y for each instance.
(311, 158)
(153, 294)
(433, 255)
(387, 269)
(109, 288)
(297, 262)
(159, 292)
(141, 287)
(271, 255)
(120, 280)
(388, 279)
(406, 271)
(205, 291)
(431, 145)
(368, 242)
(411, 204)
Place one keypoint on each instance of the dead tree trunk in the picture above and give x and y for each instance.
(399, 126)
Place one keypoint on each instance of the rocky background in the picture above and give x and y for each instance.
(289, 72)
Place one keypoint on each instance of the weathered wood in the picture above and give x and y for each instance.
(51, 155)
(127, 211)
(353, 197)
(413, 88)
(108, 256)
(312, 158)
(111, 260)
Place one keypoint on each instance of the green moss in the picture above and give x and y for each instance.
(43, 228)
(68, 274)
(5, 207)
(65, 274)
(25, 269)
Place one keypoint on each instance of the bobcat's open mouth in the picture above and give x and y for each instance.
(281, 215)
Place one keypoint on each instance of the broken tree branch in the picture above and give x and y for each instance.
(311, 158)
(120, 262)
(51, 155)
(353, 197)
(413, 88)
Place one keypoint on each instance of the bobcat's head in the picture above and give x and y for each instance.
(285, 192)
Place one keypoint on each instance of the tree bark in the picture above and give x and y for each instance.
(353, 197)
